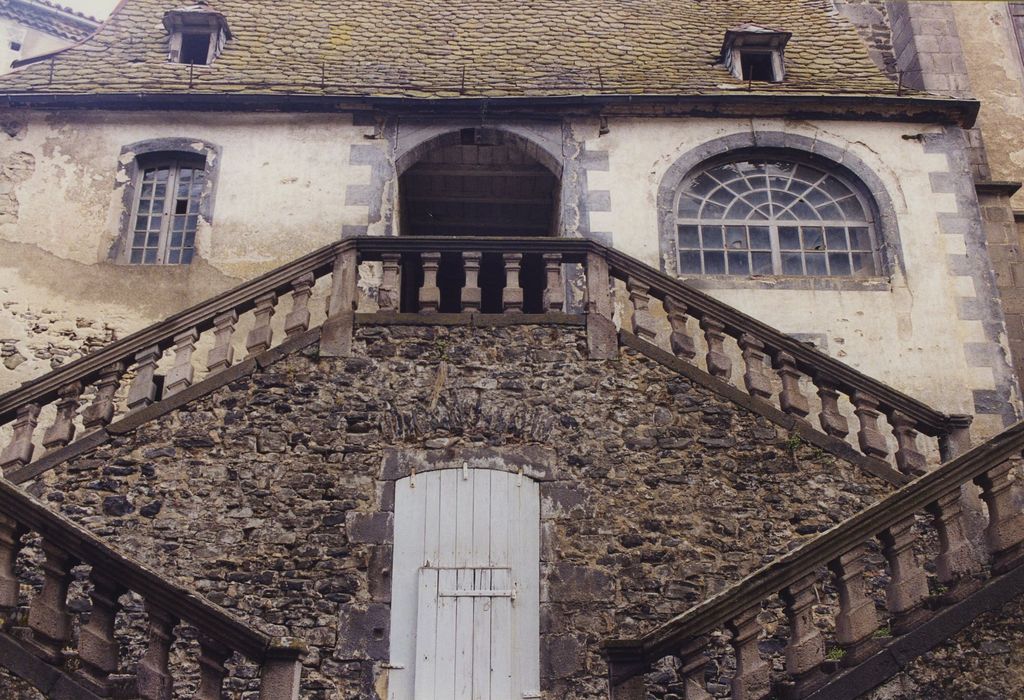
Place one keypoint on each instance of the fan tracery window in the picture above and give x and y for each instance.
(773, 217)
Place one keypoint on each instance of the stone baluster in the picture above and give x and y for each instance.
(856, 621)
(471, 294)
(297, 320)
(262, 335)
(805, 651)
(212, 673)
(693, 660)
(48, 617)
(512, 294)
(181, 374)
(756, 376)
(956, 562)
(390, 293)
(751, 681)
(832, 421)
(643, 321)
(1005, 529)
(281, 672)
(10, 545)
(19, 450)
(62, 431)
(554, 289)
(872, 442)
(222, 354)
(908, 459)
(98, 650)
(908, 585)
(680, 340)
(430, 293)
(791, 399)
(143, 391)
(153, 676)
(719, 364)
(100, 412)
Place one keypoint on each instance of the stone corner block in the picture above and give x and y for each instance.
(369, 528)
(363, 632)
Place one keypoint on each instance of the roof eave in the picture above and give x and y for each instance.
(920, 109)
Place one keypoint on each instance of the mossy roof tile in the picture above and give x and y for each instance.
(471, 48)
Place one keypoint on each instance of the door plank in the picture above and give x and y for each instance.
(444, 672)
(464, 635)
(426, 640)
(410, 521)
(482, 636)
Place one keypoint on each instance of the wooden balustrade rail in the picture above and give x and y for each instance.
(773, 363)
(841, 551)
(65, 545)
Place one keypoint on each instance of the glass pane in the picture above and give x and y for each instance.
(839, 264)
(736, 237)
(147, 190)
(190, 239)
(789, 238)
(150, 256)
(153, 240)
(757, 197)
(688, 237)
(863, 264)
(139, 239)
(160, 192)
(688, 206)
(161, 174)
(714, 263)
(155, 221)
(813, 238)
(852, 210)
(179, 223)
(176, 239)
(835, 236)
(723, 173)
(762, 263)
(186, 256)
(193, 221)
(141, 223)
(689, 263)
(181, 206)
(173, 257)
(738, 210)
(835, 188)
(722, 196)
(859, 238)
(702, 185)
(136, 256)
(830, 212)
(759, 238)
(739, 264)
(792, 264)
(712, 236)
(803, 212)
(816, 264)
(710, 210)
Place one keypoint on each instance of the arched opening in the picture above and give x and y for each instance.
(478, 182)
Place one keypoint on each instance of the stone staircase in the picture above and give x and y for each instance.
(106, 394)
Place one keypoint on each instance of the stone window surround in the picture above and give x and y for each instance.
(791, 146)
(129, 172)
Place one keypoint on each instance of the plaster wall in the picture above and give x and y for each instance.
(33, 43)
(290, 183)
(907, 327)
(996, 72)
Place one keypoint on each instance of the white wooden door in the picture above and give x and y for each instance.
(465, 594)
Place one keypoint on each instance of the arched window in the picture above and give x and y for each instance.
(169, 188)
(769, 216)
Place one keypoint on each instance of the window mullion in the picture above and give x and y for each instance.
(773, 236)
(165, 220)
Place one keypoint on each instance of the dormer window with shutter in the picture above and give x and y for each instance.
(197, 34)
(754, 53)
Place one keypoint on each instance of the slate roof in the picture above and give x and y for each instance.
(463, 48)
(49, 18)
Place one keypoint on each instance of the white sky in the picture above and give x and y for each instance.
(97, 8)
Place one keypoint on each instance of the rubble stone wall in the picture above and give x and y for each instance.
(267, 495)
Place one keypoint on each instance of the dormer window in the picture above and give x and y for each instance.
(197, 34)
(752, 53)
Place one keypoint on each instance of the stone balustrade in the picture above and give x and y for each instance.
(97, 668)
(837, 561)
(523, 278)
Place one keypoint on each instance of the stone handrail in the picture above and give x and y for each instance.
(841, 550)
(488, 274)
(50, 623)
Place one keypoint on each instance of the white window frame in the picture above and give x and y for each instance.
(175, 162)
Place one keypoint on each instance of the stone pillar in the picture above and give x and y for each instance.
(19, 450)
(857, 620)
(602, 338)
(908, 586)
(643, 321)
(48, 616)
(680, 341)
(297, 320)
(512, 294)
(832, 421)
(101, 411)
(181, 374)
(336, 334)
(472, 297)
(63, 429)
(791, 399)
(222, 354)
(430, 293)
(261, 337)
(756, 376)
(751, 681)
(98, 650)
(719, 364)
(554, 289)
